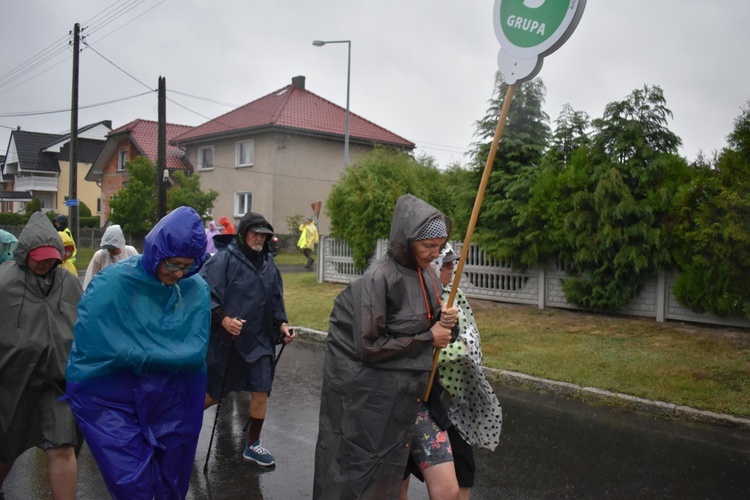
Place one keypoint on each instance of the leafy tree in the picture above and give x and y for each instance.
(617, 199)
(83, 210)
(187, 192)
(134, 206)
(571, 133)
(514, 171)
(713, 225)
(35, 205)
(361, 204)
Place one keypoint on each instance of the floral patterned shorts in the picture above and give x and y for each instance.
(430, 445)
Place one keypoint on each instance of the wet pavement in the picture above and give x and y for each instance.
(549, 448)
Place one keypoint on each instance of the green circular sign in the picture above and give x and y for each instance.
(528, 30)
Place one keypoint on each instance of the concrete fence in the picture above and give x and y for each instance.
(486, 278)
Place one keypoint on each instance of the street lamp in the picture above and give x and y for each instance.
(320, 43)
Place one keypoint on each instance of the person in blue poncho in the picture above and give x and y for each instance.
(137, 369)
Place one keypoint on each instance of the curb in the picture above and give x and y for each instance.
(590, 395)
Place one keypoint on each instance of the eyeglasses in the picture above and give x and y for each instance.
(448, 264)
(173, 268)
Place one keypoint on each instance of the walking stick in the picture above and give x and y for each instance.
(218, 406)
(473, 221)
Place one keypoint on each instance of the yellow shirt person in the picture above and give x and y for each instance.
(307, 240)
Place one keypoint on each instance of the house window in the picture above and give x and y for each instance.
(245, 154)
(206, 158)
(98, 205)
(243, 203)
(122, 157)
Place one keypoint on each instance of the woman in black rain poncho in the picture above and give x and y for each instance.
(382, 331)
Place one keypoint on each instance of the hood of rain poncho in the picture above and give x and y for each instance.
(179, 234)
(8, 244)
(227, 226)
(252, 219)
(136, 372)
(412, 214)
(378, 359)
(39, 232)
(36, 329)
(113, 236)
(63, 221)
(67, 241)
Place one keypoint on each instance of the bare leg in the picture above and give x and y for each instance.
(441, 481)
(63, 472)
(404, 494)
(464, 493)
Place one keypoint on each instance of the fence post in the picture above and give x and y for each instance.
(661, 296)
(542, 286)
(321, 258)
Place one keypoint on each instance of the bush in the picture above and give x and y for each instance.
(83, 211)
(11, 219)
(89, 221)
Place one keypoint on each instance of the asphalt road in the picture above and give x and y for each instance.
(549, 448)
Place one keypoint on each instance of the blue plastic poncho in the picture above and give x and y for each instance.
(136, 372)
(8, 243)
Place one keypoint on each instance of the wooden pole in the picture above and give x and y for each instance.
(473, 220)
(73, 212)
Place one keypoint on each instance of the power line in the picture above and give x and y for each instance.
(67, 110)
(116, 66)
(60, 46)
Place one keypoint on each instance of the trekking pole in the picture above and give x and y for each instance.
(218, 406)
(275, 362)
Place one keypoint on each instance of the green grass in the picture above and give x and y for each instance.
(83, 257)
(701, 367)
(290, 258)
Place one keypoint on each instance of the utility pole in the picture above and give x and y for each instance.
(162, 174)
(73, 195)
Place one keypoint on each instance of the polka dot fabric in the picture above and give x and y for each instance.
(474, 409)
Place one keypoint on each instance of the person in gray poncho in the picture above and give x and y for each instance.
(382, 331)
(38, 311)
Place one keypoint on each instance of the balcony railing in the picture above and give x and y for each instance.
(35, 183)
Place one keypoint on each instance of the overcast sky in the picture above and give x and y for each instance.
(423, 69)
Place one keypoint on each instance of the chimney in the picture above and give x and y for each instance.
(299, 82)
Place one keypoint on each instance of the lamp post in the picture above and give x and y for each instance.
(320, 43)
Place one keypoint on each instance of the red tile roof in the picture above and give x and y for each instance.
(295, 108)
(145, 135)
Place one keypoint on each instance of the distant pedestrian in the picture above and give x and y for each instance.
(69, 248)
(227, 226)
(8, 243)
(112, 250)
(248, 320)
(137, 369)
(61, 224)
(211, 231)
(38, 310)
(307, 239)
